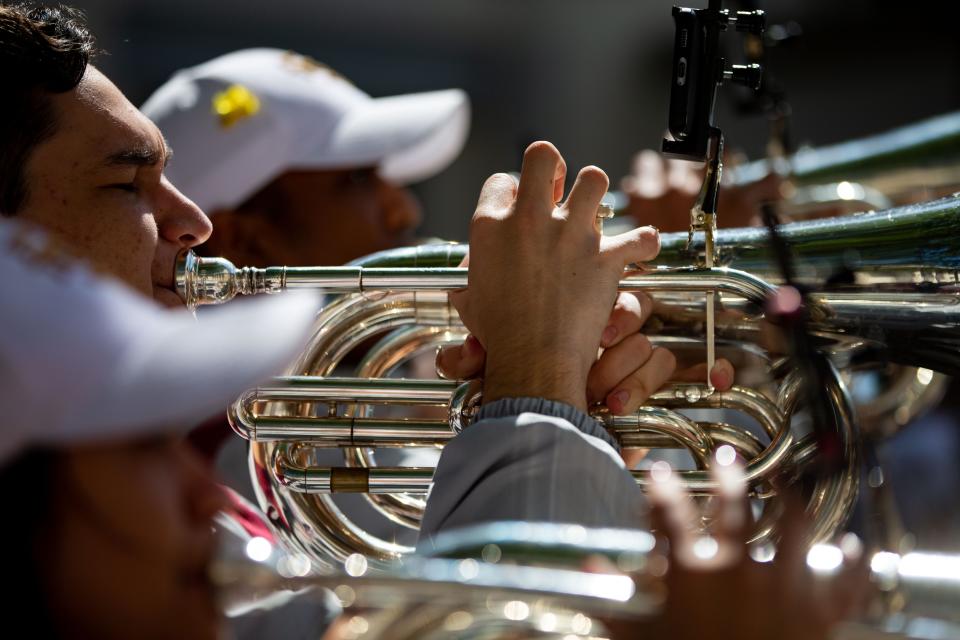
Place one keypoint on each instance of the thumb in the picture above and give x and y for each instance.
(461, 361)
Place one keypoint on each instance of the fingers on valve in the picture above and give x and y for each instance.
(541, 179)
(497, 195)
(630, 313)
(615, 367)
(585, 196)
(635, 246)
(636, 388)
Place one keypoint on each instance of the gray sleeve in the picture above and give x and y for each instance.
(552, 465)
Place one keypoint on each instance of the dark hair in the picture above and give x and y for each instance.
(43, 50)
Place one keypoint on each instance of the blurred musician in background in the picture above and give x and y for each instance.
(297, 166)
(661, 191)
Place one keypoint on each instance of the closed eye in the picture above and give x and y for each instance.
(359, 177)
(129, 187)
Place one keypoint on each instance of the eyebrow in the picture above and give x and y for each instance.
(145, 156)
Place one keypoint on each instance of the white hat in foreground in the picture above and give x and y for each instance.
(238, 121)
(83, 359)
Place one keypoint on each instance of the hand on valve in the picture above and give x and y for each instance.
(543, 296)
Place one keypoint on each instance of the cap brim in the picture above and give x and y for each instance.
(83, 359)
(410, 138)
(185, 370)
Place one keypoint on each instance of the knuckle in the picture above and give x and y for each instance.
(666, 359)
(541, 150)
(526, 223)
(604, 379)
(649, 237)
(609, 370)
(595, 177)
(642, 391)
(500, 180)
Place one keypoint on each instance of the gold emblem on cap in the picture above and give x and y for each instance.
(306, 64)
(234, 104)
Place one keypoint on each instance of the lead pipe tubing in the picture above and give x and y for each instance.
(921, 237)
(202, 281)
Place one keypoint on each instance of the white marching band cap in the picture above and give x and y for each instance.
(85, 359)
(238, 121)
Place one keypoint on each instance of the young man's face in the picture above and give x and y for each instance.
(132, 541)
(97, 185)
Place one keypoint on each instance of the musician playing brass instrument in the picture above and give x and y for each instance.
(90, 171)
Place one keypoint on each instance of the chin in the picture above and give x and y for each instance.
(167, 298)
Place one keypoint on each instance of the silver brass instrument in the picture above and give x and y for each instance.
(918, 159)
(897, 301)
(526, 580)
(883, 289)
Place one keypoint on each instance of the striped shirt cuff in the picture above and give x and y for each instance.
(510, 407)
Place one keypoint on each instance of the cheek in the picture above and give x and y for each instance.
(119, 592)
(359, 208)
(364, 225)
(147, 509)
(53, 206)
(125, 545)
(157, 512)
(124, 246)
(111, 234)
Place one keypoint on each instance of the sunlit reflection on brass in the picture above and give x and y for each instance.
(898, 302)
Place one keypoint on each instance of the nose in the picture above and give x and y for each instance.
(181, 221)
(401, 210)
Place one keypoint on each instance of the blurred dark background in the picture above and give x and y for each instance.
(591, 76)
